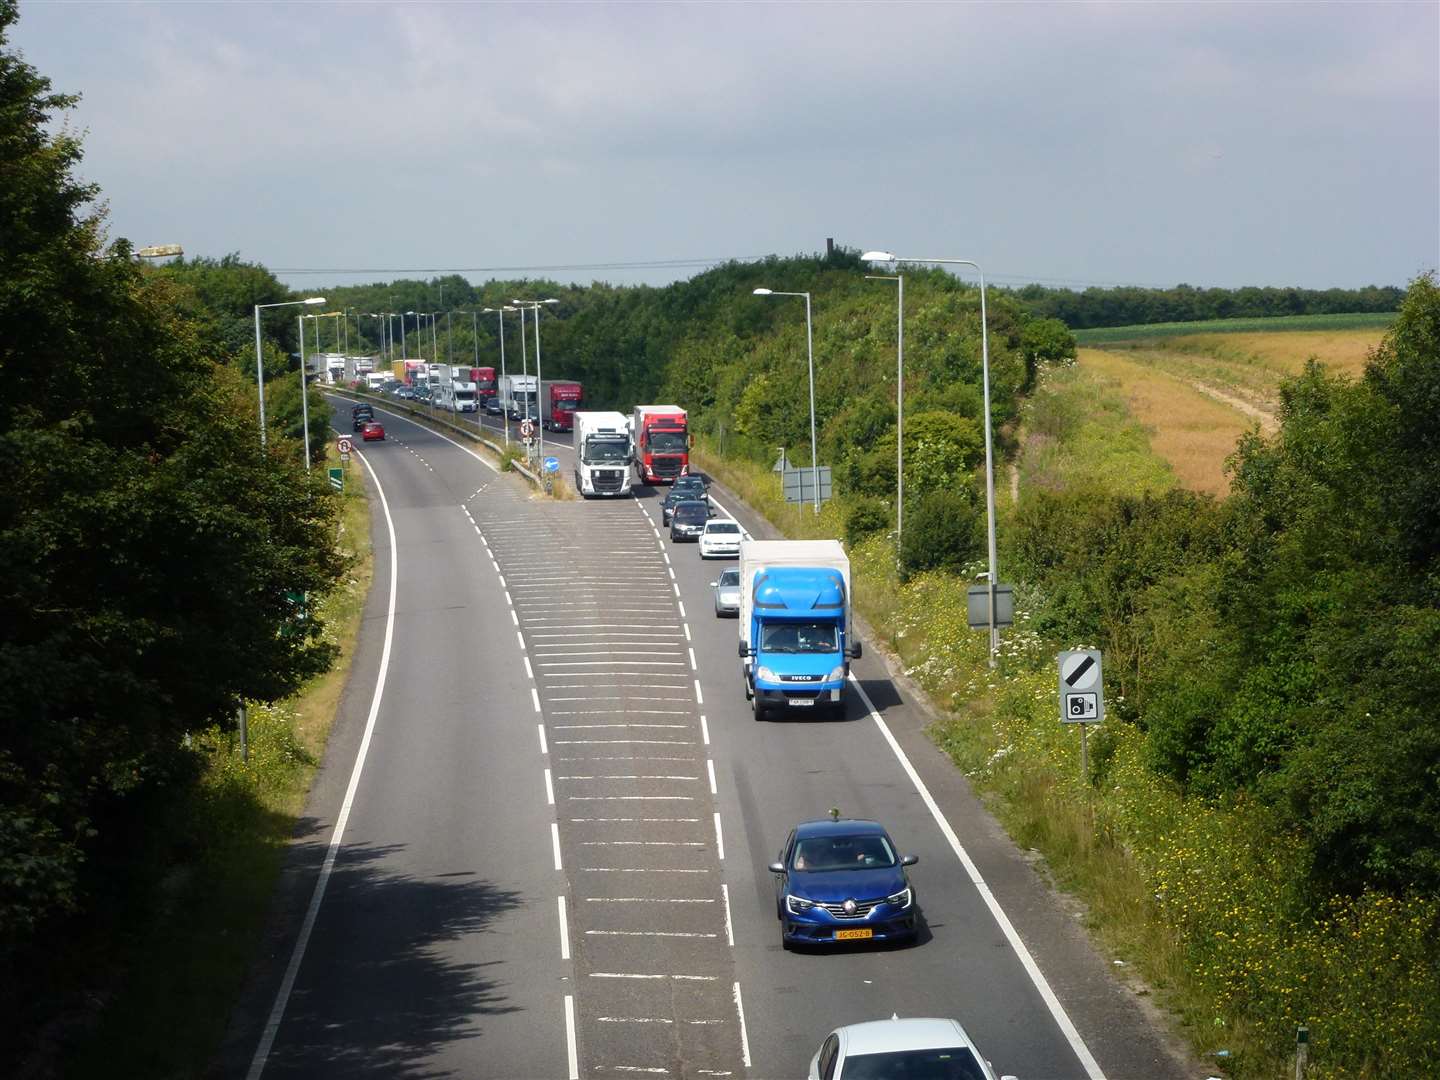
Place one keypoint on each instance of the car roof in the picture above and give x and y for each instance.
(910, 1033)
(842, 827)
(723, 521)
(693, 502)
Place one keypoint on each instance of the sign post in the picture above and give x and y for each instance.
(1082, 695)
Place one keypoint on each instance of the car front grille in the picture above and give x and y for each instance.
(862, 909)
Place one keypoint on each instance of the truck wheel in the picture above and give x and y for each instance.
(757, 708)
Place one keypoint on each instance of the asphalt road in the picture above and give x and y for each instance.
(553, 859)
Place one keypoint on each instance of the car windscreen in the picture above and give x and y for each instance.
(824, 854)
(691, 513)
(730, 579)
(799, 637)
(944, 1063)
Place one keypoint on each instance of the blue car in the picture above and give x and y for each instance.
(843, 880)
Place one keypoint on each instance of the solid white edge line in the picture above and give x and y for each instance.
(710, 767)
(549, 788)
(337, 836)
(571, 1054)
(744, 1036)
(1057, 1011)
(729, 926)
(719, 839)
(544, 747)
(564, 931)
(555, 843)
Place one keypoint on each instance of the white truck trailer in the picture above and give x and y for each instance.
(602, 453)
(454, 390)
(518, 395)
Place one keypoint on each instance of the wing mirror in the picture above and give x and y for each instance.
(744, 651)
(909, 860)
(777, 868)
(856, 650)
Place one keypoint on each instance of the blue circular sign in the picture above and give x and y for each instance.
(552, 464)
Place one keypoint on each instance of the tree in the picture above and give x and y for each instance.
(149, 543)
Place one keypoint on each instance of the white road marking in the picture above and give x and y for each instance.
(641, 900)
(549, 788)
(529, 671)
(590, 820)
(514, 618)
(629, 975)
(502, 582)
(693, 666)
(634, 1020)
(535, 697)
(704, 731)
(521, 639)
(729, 926)
(687, 631)
(555, 843)
(623, 742)
(571, 1053)
(699, 697)
(634, 870)
(629, 798)
(710, 768)
(337, 836)
(609, 664)
(544, 749)
(564, 931)
(632, 776)
(1057, 1011)
(649, 933)
(719, 839)
(744, 1038)
(595, 727)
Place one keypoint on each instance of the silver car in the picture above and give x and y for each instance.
(727, 593)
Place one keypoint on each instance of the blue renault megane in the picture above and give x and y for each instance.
(843, 880)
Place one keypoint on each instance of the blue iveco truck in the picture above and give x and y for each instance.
(796, 641)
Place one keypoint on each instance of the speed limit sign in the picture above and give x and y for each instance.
(527, 428)
(343, 445)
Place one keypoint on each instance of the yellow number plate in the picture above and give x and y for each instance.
(853, 935)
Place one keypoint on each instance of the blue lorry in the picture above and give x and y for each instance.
(796, 640)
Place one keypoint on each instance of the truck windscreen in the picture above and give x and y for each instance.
(667, 442)
(799, 637)
(605, 451)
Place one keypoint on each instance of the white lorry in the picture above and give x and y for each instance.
(518, 396)
(602, 453)
(796, 637)
(454, 390)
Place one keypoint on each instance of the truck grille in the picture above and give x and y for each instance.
(607, 479)
(667, 467)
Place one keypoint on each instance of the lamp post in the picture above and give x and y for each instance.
(899, 279)
(499, 314)
(260, 357)
(305, 389)
(534, 306)
(810, 353)
(887, 257)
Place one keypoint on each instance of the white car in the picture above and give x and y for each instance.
(916, 1046)
(721, 537)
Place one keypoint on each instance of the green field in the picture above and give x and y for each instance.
(1110, 335)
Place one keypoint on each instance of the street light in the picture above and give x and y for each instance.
(888, 257)
(899, 404)
(260, 359)
(810, 353)
(534, 306)
(499, 314)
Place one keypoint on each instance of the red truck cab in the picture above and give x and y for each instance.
(559, 401)
(662, 443)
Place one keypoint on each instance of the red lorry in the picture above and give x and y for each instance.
(662, 443)
(559, 399)
(485, 384)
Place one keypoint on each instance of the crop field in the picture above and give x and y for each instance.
(1110, 335)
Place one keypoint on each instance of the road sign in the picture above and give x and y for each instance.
(552, 464)
(337, 479)
(781, 463)
(799, 484)
(977, 606)
(1082, 687)
(343, 444)
(527, 428)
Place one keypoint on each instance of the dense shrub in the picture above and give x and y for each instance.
(944, 530)
(865, 518)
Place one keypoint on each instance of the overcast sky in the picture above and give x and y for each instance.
(1215, 144)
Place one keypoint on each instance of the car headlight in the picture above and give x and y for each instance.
(798, 905)
(766, 674)
(838, 673)
(900, 899)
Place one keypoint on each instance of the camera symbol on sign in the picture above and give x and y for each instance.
(1082, 706)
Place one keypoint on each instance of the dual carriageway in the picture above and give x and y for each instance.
(541, 833)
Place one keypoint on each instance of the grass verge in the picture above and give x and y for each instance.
(1110, 335)
(186, 954)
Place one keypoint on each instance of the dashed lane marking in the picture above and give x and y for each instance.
(555, 843)
(719, 839)
(564, 931)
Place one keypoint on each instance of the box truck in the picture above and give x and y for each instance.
(517, 396)
(559, 399)
(796, 638)
(602, 453)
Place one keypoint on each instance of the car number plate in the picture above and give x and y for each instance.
(801, 703)
(853, 935)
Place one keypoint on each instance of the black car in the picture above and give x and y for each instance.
(685, 489)
(361, 415)
(688, 518)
